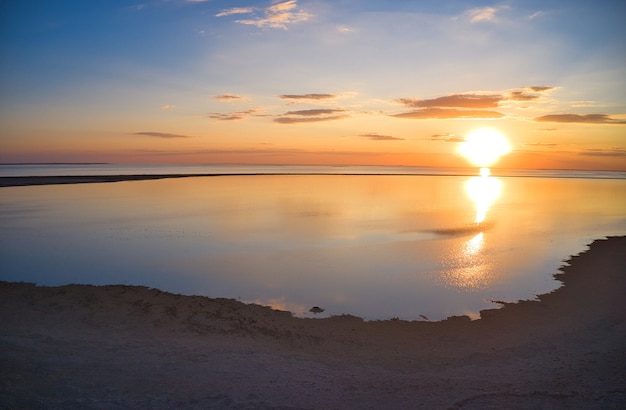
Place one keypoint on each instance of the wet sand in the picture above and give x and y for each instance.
(81, 346)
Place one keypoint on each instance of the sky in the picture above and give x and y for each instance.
(335, 82)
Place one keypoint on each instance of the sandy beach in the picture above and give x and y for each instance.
(80, 346)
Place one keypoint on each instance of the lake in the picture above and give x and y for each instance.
(410, 246)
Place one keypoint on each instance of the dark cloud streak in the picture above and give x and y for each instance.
(580, 118)
(446, 138)
(315, 112)
(449, 113)
(456, 100)
(377, 137)
(615, 152)
(293, 120)
(160, 134)
(307, 96)
(312, 115)
(227, 97)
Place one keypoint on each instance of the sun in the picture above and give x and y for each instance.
(484, 146)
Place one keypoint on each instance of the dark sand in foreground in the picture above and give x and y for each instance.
(132, 347)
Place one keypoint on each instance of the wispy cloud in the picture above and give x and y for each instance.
(581, 118)
(541, 88)
(522, 96)
(613, 152)
(232, 116)
(227, 97)
(539, 144)
(579, 104)
(446, 137)
(378, 137)
(313, 115)
(315, 112)
(528, 93)
(278, 15)
(456, 100)
(448, 113)
(480, 14)
(168, 107)
(235, 10)
(307, 96)
(468, 105)
(160, 134)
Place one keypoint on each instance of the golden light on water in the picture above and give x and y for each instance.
(484, 146)
(473, 246)
(483, 191)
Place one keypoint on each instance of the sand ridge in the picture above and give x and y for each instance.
(80, 346)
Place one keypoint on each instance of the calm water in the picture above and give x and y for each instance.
(375, 246)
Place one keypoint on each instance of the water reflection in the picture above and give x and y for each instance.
(470, 268)
(483, 191)
(372, 246)
(473, 246)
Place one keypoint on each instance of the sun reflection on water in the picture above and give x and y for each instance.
(470, 267)
(473, 246)
(483, 191)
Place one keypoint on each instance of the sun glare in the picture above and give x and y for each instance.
(483, 147)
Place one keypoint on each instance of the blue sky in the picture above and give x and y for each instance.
(312, 81)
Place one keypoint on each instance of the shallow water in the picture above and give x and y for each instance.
(376, 246)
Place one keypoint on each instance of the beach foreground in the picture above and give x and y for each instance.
(83, 346)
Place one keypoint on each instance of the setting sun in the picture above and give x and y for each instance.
(483, 147)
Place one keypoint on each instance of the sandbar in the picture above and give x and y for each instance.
(82, 346)
(86, 179)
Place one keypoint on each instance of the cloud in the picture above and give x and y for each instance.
(377, 137)
(235, 10)
(467, 105)
(446, 137)
(307, 96)
(278, 15)
(456, 100)
(613, 152)
(521, 96)
(313, 115)
(541, 88)
(580, 118)
(527, 93)
(448, 113)
(233, 116)
(579, 104)
(316, 111)
(160, 134)
(168, 107)
(481, 14)
(477, 100)
(227, 97)
(540, 144)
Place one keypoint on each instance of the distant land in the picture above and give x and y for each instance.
(55, 163)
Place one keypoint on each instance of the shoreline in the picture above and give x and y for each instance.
(128, 346)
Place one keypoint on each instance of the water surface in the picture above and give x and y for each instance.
(375, 246)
